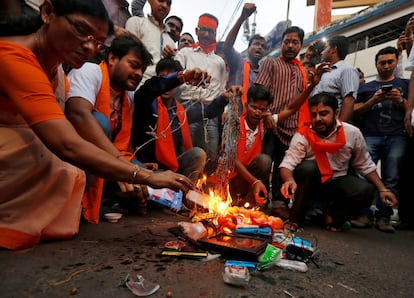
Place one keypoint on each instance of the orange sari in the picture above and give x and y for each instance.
(40, 195)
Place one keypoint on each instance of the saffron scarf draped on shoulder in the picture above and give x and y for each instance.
(164, 143)
(320, 149)
(91, 202)
(304, 114)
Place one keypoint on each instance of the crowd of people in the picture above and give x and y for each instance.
(99, 103)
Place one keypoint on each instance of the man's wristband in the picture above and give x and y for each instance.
(384, 190)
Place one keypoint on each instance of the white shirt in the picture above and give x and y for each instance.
(148, 31)
(211, 63)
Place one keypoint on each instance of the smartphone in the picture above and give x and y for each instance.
(386, 88)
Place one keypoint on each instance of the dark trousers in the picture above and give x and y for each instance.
(259, 168)
(343, 196)
(273, 147)
(406, 199)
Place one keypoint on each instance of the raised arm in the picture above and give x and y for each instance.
(248, 10)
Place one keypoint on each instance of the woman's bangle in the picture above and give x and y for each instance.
(254, 182)
(384, 190)
(135, 170)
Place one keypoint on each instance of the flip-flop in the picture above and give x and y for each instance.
(290, 226)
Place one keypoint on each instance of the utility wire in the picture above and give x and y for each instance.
(231, 18)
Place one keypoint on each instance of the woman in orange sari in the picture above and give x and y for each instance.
(40, 189)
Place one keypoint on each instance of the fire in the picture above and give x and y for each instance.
(217, 204)
(225, 216)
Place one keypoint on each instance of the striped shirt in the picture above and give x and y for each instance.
(285, 82)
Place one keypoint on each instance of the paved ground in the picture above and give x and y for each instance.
(356, 263)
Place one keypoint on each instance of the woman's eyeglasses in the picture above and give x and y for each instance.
(82, 33)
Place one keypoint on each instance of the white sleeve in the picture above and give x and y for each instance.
(410, 61)
(85, 82)
(275, 117)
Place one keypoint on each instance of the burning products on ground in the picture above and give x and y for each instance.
(273, 257)
(139, 286)
(166, 197)
(237, 273)
(269, 257)
(193, 230)
(254, 230)
(292, 265)
(294, 248)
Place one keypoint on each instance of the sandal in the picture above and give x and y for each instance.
(290, 226)
(330, 225)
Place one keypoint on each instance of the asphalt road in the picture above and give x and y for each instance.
(355, 263)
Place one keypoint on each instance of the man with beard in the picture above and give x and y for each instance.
(317, 163)
(99, 108)
(285, 77)
(243, 72)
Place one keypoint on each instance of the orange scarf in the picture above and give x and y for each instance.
(321, 148)
(164, 144)
(91, 201)
(206, 49)
(304, 114)
(243, 155)
(246, 77)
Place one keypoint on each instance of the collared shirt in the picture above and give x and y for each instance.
(285, 82)
(342, 80)
(353, 153)
(155, 39)
(251, 135)
(211, 63)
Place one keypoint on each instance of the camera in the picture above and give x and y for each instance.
(386, 88)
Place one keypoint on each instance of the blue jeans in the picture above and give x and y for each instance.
(389, 150)
(207, 139)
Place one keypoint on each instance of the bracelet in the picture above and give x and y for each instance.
(135, 170)
(384, 190)
(256, 181)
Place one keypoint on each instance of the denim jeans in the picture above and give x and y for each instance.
(206, 135)
(390, 151)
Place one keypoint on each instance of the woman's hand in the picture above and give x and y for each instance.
(169, 179)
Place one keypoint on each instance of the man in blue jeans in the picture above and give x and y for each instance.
(380, 106)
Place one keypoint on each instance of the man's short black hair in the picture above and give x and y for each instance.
(386, 51)
(125, 43)
(259, 92)
(342, 45)
(255, 37)
(295, 29)
(176, 18)
(168, 64)
(326, 98)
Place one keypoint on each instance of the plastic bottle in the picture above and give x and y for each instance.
(292, 265)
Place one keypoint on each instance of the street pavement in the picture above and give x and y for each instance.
(354, 263)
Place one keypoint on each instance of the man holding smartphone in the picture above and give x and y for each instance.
(380, 106)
